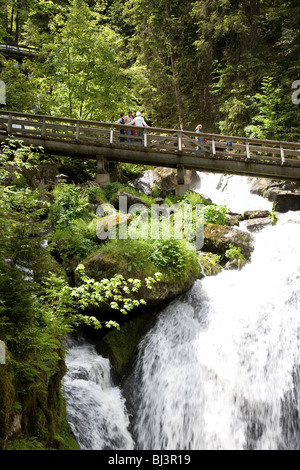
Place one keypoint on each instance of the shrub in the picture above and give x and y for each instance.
(214, 214)
(69, 204)
(175, 257)
(77, 239)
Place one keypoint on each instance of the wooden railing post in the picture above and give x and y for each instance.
(247, 150)
(9, 124)
(213, 145)
(44, 128)
(282, 154)
(145, 137)
(179, 141)
(111, 138)
(77, 131)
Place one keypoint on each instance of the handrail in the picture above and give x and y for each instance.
(153, 138)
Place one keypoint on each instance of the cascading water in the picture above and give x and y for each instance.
(232, 191)
(96, 409)
(219, 370)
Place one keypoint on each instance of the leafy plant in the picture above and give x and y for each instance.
(174, 257)
(69, 204)
(215, 214)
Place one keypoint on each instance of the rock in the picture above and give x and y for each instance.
(209, 263)
(131, 199)
(218, 238)
(285, 200)
(108, 225)
(105, 265)
(165, 179)
(286, 194)
(232, 220)
(254, 225)
(41, 175)
(256, 214)
(120, 346)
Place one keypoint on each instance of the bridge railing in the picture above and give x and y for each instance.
(39, 128)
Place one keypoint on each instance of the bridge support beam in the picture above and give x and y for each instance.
(102, 175)
(180, 187)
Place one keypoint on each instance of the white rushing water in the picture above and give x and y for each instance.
(219, 370)
(96, 409)
(232, 191)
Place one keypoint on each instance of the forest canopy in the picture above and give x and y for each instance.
(230, 65)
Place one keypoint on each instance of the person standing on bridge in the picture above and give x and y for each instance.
(139, 121)
(200, 140)
(122, 131)
(128, 120)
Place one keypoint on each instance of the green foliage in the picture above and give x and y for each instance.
(210, 263)
(234, 252)
(214, 214)
(193, 198)
(130, 256)
(274, 118)
(78, 239)
(115, 292)
(85, 61)
(132, 170)
(174, 257)
(69, 204)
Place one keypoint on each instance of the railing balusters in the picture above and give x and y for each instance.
(51, 128)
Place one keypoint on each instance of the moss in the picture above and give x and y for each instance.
(7, 398)
(120, 345)
(210, 264)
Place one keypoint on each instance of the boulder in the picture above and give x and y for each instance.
(285, 194)
(284, 200)
(105, 265)
(247, 215)
(107, 226)
(165, 179)
(130, 198)
(254, 225)
(218, 238)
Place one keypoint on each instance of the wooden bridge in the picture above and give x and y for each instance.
(18, 52)
(153, 146)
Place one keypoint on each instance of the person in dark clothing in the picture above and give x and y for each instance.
(122, 131)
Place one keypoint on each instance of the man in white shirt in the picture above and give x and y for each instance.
(139, 121)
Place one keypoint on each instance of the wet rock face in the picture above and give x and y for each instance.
(165, 179)
(285, 194)
(218, 238)
(255, 225)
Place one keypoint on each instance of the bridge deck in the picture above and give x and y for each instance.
(155, 146)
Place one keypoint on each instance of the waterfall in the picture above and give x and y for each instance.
(232, 191)
(220, 368)
(96, 409)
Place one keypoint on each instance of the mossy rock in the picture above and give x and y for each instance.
(210, 263)
(219, 238)
(120, 346)
(49, 265)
